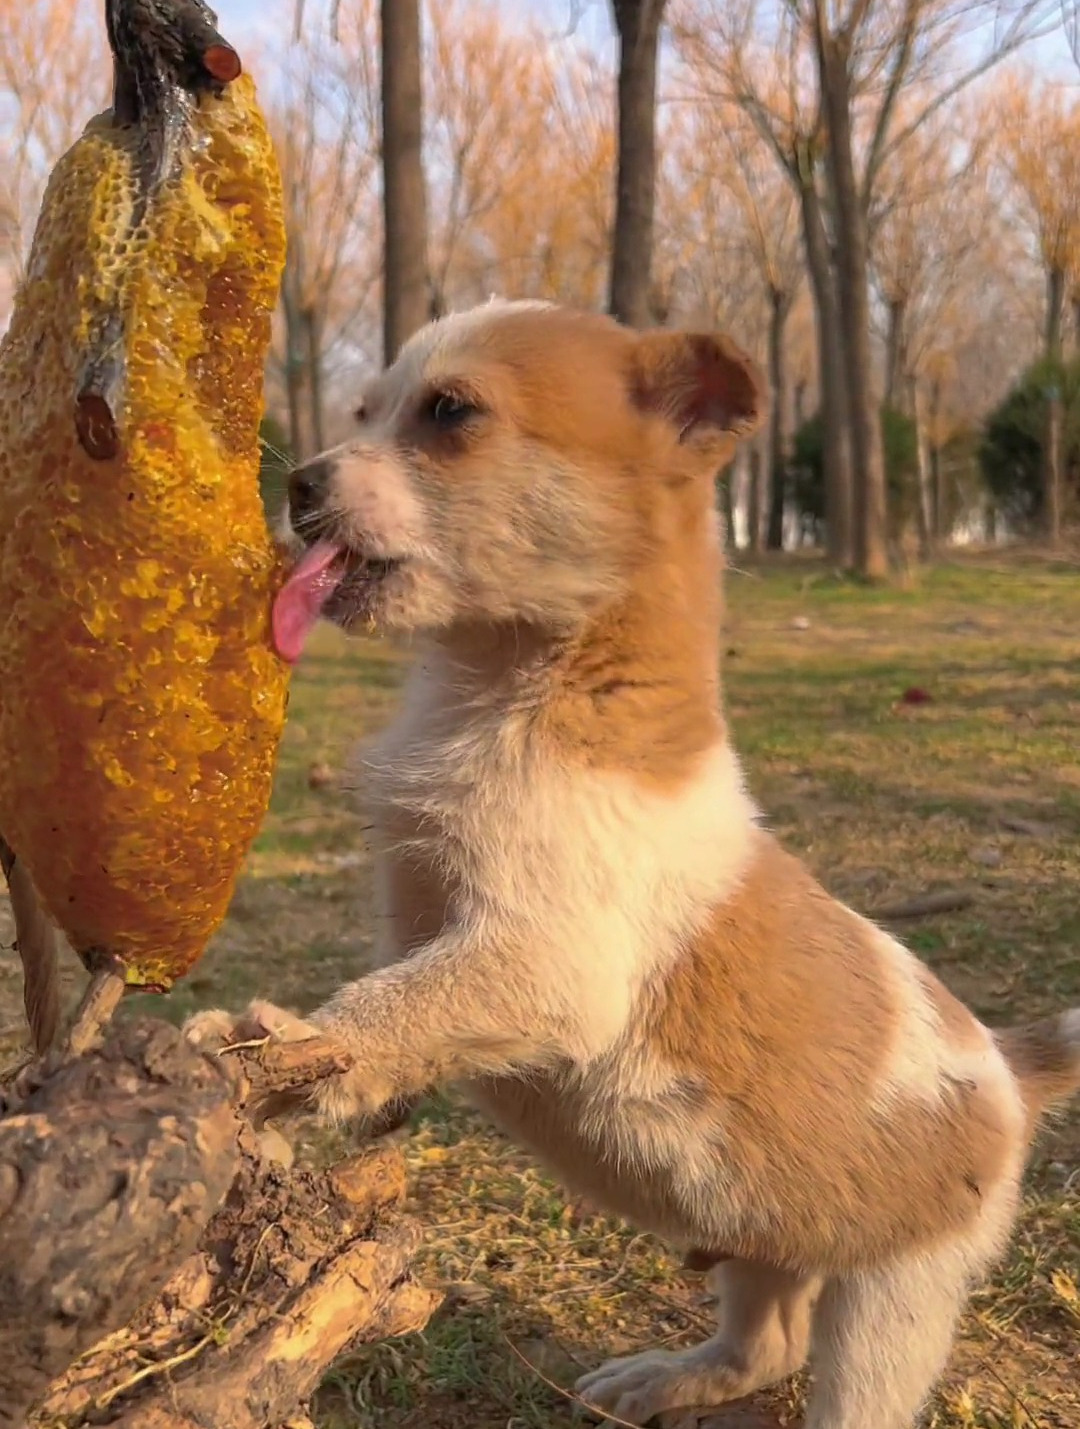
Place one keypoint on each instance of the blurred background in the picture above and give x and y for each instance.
(879, 198)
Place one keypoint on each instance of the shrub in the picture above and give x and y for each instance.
(807, 477)
(1011, 449)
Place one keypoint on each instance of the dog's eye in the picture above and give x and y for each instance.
(448, 411)
(360, 415)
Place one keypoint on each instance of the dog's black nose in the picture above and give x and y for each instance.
(308, 486)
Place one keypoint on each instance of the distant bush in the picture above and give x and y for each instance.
(1011, 449)
(807, 476)
(806, 479)
(962, 493)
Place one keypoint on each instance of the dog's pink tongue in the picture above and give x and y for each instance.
(300, 601)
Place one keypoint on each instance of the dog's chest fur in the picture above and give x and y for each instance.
(600, 881)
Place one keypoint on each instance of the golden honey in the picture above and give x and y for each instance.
(142, 703)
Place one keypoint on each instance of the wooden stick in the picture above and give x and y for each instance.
(924, 905)
(95, 1011)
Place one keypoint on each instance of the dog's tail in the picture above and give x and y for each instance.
(1045, 1059)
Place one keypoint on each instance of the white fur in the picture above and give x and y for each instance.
(608, 877)
(881, 1337)
(421, 355)
(381, 513)
(923, 1061)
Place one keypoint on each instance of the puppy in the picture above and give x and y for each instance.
(583, 919)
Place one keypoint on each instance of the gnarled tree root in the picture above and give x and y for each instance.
(156, 1270)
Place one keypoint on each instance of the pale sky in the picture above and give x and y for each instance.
(239, 18)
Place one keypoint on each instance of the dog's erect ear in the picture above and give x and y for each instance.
(704, 384)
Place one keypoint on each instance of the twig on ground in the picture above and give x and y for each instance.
(924, 905)
(567, 1394)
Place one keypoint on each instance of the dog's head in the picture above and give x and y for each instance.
(517, 463)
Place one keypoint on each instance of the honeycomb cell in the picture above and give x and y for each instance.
(142, 703)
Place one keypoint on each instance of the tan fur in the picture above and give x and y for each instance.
(581, 918)
(1045, 1056)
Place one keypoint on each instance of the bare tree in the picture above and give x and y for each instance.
(931, 223)
(54, 73)
(406, 301)
(497, 92)
(324, 118)
(849, 64)
(490, 100)
(638, 24)
(724, 65)
(1039, 136)
(771, 224)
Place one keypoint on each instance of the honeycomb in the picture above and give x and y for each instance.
(142, 703)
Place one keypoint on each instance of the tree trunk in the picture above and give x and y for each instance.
(834, 422)
(313, 338)
(867, 453)
(727, 506)
(755, 481)
(638, 26)
(779, 306)
(922, 457)
(294, 392)
(894, 354)
(1052, 482)
(799, 403)
(937, 487)
(157, 1269)
(405, 299)
(295, 365)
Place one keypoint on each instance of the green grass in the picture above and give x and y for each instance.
(977, 788)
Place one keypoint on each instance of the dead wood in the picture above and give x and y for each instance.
(156, 1270)
(924, 905)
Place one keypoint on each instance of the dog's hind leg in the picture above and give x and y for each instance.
(882, 1336)
(763, 1334)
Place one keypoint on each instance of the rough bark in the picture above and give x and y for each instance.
(638, 25)
(405, 302)
(779, 307)
(157, 1269)
(1055, 313)
(869, 541)
(109, 1171)
(799, 403)
(838, 500)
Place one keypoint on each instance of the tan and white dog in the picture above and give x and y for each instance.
(582, 917)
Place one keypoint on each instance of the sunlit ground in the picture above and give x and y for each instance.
(977, 788)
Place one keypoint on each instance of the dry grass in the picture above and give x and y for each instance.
(978, 787)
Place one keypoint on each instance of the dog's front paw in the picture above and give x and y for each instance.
(360, 1091)
(212, 1030)
(263, 1022)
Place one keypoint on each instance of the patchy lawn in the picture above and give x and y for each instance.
(974, 788)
